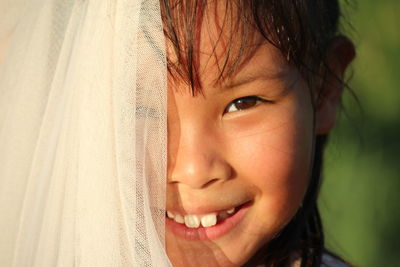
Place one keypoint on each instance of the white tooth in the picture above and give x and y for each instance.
(179, 219)
(192, 221)
(209, 220)
(231, 211)
(170, 215)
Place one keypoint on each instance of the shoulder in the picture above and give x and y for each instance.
(331, 261)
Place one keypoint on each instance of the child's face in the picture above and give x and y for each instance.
(253, 156)
(244, 145)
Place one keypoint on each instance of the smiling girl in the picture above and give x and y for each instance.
(124, 123)
(253, 89)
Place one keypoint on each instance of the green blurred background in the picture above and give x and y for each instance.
(360, 201)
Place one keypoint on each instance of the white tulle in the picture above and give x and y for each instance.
(82, 133)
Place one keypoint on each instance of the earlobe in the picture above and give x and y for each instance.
(339, 56)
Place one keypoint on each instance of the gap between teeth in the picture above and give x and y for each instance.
(194, 221)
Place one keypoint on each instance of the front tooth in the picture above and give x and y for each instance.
(170, 215)
(209, 220)
(231, 211)
(179, 219)
(192, 221)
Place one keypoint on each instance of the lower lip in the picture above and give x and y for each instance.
(207, 233)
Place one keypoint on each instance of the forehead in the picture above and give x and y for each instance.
(219, 47)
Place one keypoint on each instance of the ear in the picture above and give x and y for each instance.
(339, 56)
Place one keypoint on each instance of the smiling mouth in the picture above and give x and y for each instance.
(206, 226)
(205, 220)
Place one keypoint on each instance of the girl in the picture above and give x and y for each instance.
(127, 123)
(253, 88)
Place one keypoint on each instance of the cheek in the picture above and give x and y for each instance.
(275, 162)
(275, 159)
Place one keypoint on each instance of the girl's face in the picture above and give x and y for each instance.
(239, 153)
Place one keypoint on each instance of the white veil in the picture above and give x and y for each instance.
(82, 133)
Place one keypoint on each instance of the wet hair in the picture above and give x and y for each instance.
(302, 30)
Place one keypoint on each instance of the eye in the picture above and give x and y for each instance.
(244, 103)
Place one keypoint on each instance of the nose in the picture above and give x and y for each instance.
(198, 165)
(195, 158)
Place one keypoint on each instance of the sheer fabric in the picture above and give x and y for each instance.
(82, 133)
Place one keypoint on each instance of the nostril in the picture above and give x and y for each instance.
(209, 183)
(198, 170)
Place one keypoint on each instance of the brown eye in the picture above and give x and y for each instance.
(243, 103)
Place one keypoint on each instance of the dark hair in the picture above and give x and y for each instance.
(302, 30)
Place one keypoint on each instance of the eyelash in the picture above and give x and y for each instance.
(235, 102)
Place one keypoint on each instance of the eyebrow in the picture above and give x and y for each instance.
(232, 83)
